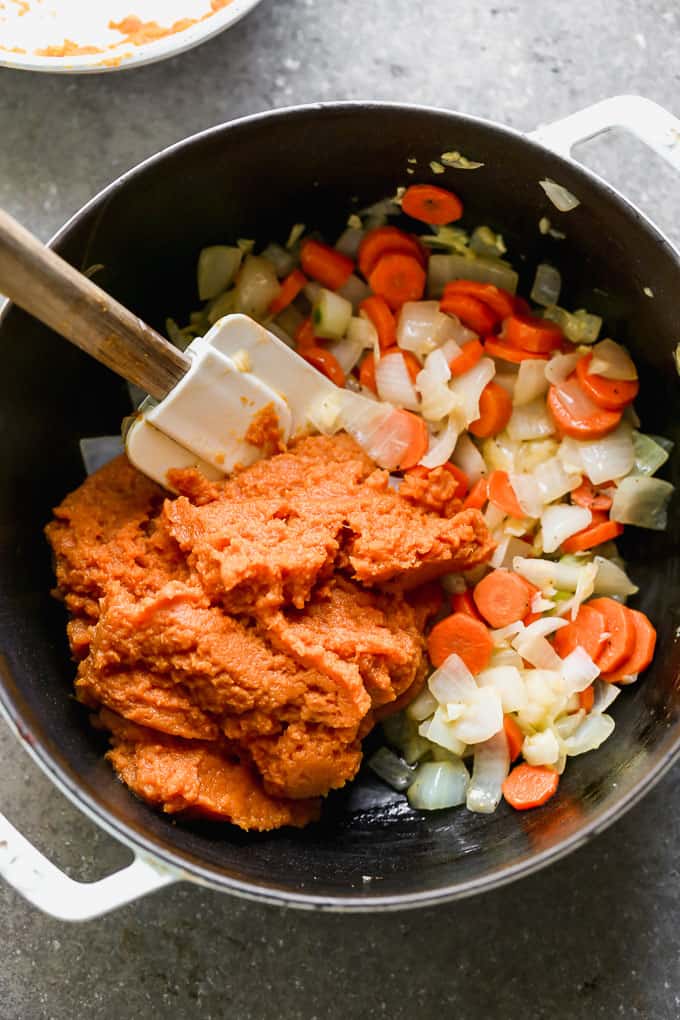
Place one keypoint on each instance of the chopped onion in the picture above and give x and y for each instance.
(467, 457)
(349, 241)
(362, 331)
(369, 423)
(547, 285)
(568, 724)
(508, 683)
(650, 455)
(394, 383)
(545, 697)
(605, 695)
(422, 327)
(546, 574)
(281, 333)
(612, 361)
(592, 732)
(439, 730)
(468, 388)
(491, 765)
(553, 481)
(283, 261)
(578, 671)
(609, 458)
(423, 706)
(584, 589)
(354, 290)
(559, 367)
(507, 379)
(331, 314)
(452, 681)
(256, 286)
(482, 717)
(347, 353)
(531, 421)
(528, 495)
(642, 501)
(612, 580)
(438, 401)
(511, 630)
(493, 516)
(391, 769)
(442, 445)
(442, 269)
(217, 267)
(507, 549)
(483, 241)
(530, 382)
(541, 748)
(505, 657)
(311, 291)
(439, 784)
(560, 522)
(580, 327)
(533, 647)
(562, 199)
(543, 627)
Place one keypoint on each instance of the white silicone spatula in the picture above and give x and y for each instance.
(202, 401)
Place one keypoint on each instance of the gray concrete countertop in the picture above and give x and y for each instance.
(597, 934)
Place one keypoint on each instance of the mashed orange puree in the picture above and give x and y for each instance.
(238, 641)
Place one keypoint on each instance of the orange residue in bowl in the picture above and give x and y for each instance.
(67, 49)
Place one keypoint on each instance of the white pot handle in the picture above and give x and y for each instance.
(39, 881)
(653, 125)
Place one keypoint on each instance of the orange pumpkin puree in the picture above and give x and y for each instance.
(239, 640)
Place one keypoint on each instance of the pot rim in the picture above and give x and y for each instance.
(188, 869)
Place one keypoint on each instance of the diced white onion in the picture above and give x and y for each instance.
(505, 378)
(609, 458)
(534, 648)
(354, 290)
(553, 481)
(560, 522)
(650, 455)
(547, 285)
(541, 748)
(561, 198)
(585, 587)
(531, 421)
(560, 367)
(491, 765)
(578, 671)
(362, 331)
(311, 291)
(483, 716)
(439, 731)
(501, 635)
(421, 328)
(442, 445)
(423, 706)
(377, 429)
(531, 382)
(605, 695)
(528, 494)
(508, 684)
(391, 769)
(441, 269)
(642, 501)
(592, 732)
(546, 698)
(217, 267)
(283, 261)
(452, 681)
(612, 580)
(493, 516)
(394, 383)
(438, 401)
(438, 784)
(506, 551)
(612, 361)
(467, 457)
(331, 314)
(505, 657)
(349, 241)
(256, 286)
(581, 327)
(468, 388)
(281, 333)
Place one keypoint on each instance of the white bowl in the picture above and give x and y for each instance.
(28, 28)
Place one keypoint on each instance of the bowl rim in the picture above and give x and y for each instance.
(187, 868)
(134, 56)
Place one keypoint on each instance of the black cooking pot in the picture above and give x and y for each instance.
(254, 178)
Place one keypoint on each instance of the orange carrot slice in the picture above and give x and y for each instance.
(587, 495)
(431, 204)
(463, 602)
(502, 494)
(367, 373)
(495, 409)
(586, 699)
(502, 598)
(620, 633)
(514, 735)
(499, 301)
(600, 530)
(506, 352)
(472, 312)
(378, 312)
(325, 362)
(304, 336)
(643, 649)
(330, 267)
(531, 334)
(529, 786)
(470, 354)
(387, 240)
(463, 635)
(576, 415)
(290, 288)
(398, 279)
(587, 630)
(611, 394)
(477, 496)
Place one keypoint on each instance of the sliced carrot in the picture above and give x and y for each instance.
(529, 786)
(576, 415)
(304, 335)
(398, 279)
(367, 373)
(378, 312)
(502, 598)
(290, 288)
(600, 530)
(463, 602)
(477, 496)
(500, 349)
(472, 312)
(470, 354)
(587, 495)
(502, 494)
(402, 426)
(462, 634)
(531, 334)
(431, 204)
(620, 631)
(643, 649)
(611, 394)
(325, 362)
(495, 409)
(387, 240)
(514, 735)
(323, 263)
(586, 699)
(587, 630)
(499, 301)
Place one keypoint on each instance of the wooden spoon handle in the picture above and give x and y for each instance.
(47, 287)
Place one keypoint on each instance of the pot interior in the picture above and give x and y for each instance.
(255, 179)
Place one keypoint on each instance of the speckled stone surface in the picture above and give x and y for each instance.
(596, 935)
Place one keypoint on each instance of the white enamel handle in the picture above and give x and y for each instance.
(653, 125)
(39, 881)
